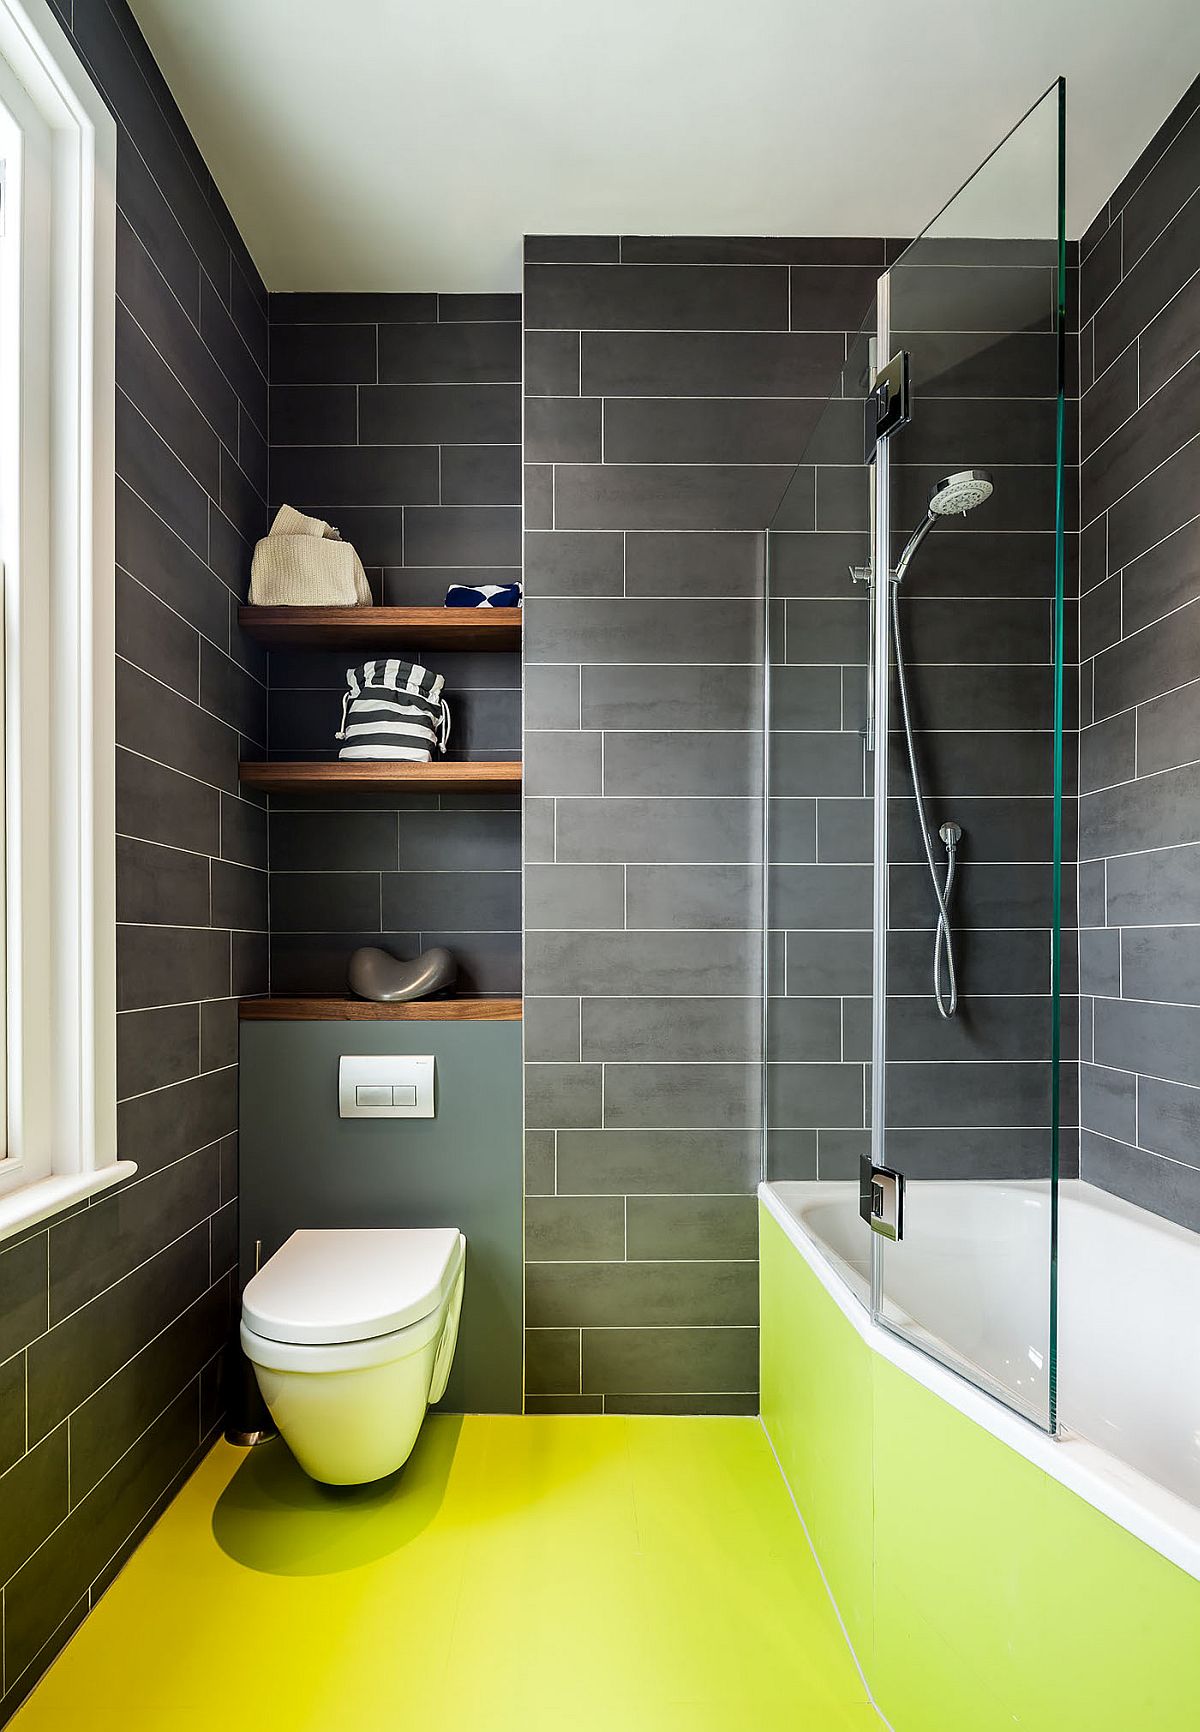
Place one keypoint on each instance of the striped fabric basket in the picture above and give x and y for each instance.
(393, 709)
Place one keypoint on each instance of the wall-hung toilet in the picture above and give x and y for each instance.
(351, 1334)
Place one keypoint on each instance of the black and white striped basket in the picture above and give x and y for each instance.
(393, 709)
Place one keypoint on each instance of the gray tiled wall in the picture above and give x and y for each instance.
(669, 387)
(113, 1318)
(1139, 882)
(398, 418)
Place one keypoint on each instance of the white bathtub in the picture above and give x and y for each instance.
(971, 1277)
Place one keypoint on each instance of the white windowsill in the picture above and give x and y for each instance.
(30, 1204)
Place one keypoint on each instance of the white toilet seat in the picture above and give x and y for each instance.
(339, 1355)
(334, 1286)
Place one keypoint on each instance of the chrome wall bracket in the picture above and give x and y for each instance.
(881, 1198)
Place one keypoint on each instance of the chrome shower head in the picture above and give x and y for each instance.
(960, 492)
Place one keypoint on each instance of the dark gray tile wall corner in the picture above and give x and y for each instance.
(113, 1318)
(398, 418)
(1139, 689)
(670, 384)
(970, 1097)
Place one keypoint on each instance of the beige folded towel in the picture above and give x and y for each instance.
(304, 562)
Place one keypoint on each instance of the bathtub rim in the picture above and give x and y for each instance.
(1158, 1517)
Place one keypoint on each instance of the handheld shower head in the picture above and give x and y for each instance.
(960, 492)
(952, 495)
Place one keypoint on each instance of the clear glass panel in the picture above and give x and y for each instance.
(818, 827)
(971, 1104)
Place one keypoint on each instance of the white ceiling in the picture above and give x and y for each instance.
(408, 144)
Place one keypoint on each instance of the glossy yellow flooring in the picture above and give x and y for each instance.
(640, 1574)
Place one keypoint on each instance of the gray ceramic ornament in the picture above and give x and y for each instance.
(379, 975)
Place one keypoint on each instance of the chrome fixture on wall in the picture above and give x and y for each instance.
(953, 495)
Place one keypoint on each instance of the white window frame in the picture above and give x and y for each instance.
(59, 663)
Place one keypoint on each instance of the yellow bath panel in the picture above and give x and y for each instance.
(981, 1593)
(541, 1574)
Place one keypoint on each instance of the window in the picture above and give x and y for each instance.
(57, 309)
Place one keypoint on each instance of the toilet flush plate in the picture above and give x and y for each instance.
(379, 1086)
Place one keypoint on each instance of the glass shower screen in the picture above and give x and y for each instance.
(968, 793)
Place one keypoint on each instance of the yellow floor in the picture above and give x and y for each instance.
(568, 1573)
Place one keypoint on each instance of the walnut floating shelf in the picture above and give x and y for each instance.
(301, 1009)
(446, 777)
(380, 628)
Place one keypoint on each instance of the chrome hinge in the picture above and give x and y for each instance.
(881, 1198)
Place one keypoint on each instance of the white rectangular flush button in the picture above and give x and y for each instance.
(385, 1086)
(367, 1096)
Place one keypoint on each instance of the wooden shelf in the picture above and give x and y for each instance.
(381, 628)
(302, 1009)
(494, 776)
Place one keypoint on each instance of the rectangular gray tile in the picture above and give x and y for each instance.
(986, 1094)
(563, 763)
(815, 1094)
(480, 901)
(710, 897)
(681, 763)
(639, 1295)
(709, 363)
(574, 1229)
(153, 961)
(574, 563)
(1153, 888)
(638, 697)
(653, 1030)
(574, 898)
(1168, 730)
(566, 1096)
(692, 1227)
(1108, 1103)
(33, 1500)
(695, 563)
(642, 632)
(640, 964)
(636, 830)
(1158, 962)
(655, 297)
(552, 1361)
(704, 430)
(564, 429)
(820, 897)
(681, 496)
(636, 1361)
(657, 1162)
(552, 363)
(539, 1163)
(552, 697)
(551, 1029)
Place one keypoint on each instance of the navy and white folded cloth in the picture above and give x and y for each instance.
(483, 595)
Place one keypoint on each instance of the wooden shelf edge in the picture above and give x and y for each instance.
(342, 627)
(301, 1009)
(329, 776)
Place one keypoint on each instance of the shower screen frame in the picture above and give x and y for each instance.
(1041, 1413)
